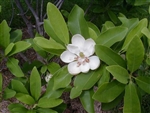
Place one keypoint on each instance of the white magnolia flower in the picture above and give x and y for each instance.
(79, 55)
(48, 77)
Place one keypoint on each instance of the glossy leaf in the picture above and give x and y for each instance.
(50, 46)
(14, 68)
(45, 110)
(57, 23)
(17, 108)
(111, 36)
(144, 83)
(77, 23)
(107, 25)
(94, 27)
(4, 34)
(8, 93)
(129, 23)
(49, 102)
(9, 48)
(18, 86)
(88, 80)
(87, 101)
(109, 56)
(136, 31)
(62, 78)
(35, 83)
(19, 47)
(108, 91)
(1, 81)
(119, 73)
(131, 100)
(16, 35)
(135, 54)
(92, 34)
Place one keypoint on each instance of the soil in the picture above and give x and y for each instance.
(73, 106)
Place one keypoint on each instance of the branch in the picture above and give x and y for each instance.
(28, 23)
(12, 16)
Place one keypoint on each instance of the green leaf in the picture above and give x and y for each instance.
(94, 27)
(135, 54)
(87, 101)
(17, 108)
(111, 36)
(18, 86)
(49, 102)
(19, 47)
(49, 45)
(4, 34)
(136, 31)
(108, 91)
(14, 68)
(58, 24)
(144, 83)
(146, 32)
(25, 98)
(119, 73)
(53, 67)
(129, 23)
(113, 16)
(31, 111)
(77, 23)
(9, 48)
(35, 83)
(107, 25)
(62, 78)
(8, 93)
(1, 81)
(109, 56)
(45, 110)
(141, 2)
(16, 35)
(131, 100)
(88, 81)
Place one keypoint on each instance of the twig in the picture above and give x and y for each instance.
(12, 16)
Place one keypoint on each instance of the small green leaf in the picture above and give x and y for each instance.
(135, 32)
(111, 36)
(109, 56)
(35, 83)
(4, 34)
(17, 108)
(62, 78)
(77, 23)
(113, 16)
(119, 73)
(50, 46)
(18, 47)
(16, 35)
(135, 54)
(14, 68)
(146, 32)
(94, 27)
(45, 110)
(131, 100)
(53, 67)
(57, 23)
(1, 81)
(144, 83)
(25, 98)
(18, 86)
(107, 92)
(87, 101)
(8, 93)
(107, 25)
(49, 102)
(9, 48)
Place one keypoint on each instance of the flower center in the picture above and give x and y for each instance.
(81, 59)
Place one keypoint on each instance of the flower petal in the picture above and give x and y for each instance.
(73, 49)
(78, 40)
(73, 68)
(94, 62)
(85, 67)
(67, 57)
(89, 47)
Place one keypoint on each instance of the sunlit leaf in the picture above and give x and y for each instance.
(35, 83)
(107, 25)
(53, 67)
(135, 54)
(9, 48)
(131, 100)
(17, 108)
